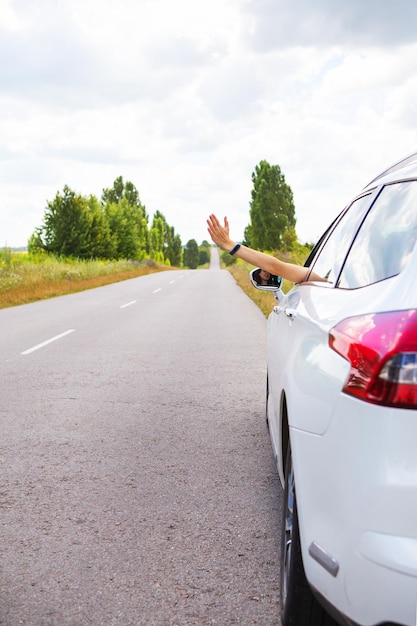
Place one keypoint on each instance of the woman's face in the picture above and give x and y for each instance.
(264, 275)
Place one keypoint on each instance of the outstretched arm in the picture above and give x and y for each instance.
(220, 235)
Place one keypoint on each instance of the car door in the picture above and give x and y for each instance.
(302, 373)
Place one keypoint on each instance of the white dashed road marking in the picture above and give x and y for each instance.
(123, 306)
(48, 341)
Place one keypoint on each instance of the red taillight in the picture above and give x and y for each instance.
(382, 351)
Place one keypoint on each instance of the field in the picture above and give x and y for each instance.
(27, 278)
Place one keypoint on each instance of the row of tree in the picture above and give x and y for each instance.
(117, 226)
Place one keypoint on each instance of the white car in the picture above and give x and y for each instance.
(342, 415)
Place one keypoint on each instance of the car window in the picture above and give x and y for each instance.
(386, 239)
(330, 258)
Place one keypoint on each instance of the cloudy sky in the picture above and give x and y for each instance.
(185, 98)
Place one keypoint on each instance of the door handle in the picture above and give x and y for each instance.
(290, 313)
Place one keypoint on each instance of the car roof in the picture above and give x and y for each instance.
(405, 168)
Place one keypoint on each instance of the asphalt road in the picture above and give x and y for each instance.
(137, 480)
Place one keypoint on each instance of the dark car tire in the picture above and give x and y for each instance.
(299, 607)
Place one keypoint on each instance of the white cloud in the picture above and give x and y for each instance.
(184, 99)
(277, 24)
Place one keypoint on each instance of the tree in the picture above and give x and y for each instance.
(173, 247)
(289, 239)
(204, 253)
(74, 226)
(272, 211)
(165, 245)
(128, 230)
(122, 190)
(127, 219)
(35, 243)
(191, 254)
(157, 238)
(99, 239)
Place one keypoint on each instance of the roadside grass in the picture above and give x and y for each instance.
(27, 278)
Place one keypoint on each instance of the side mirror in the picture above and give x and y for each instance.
(266, 282)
